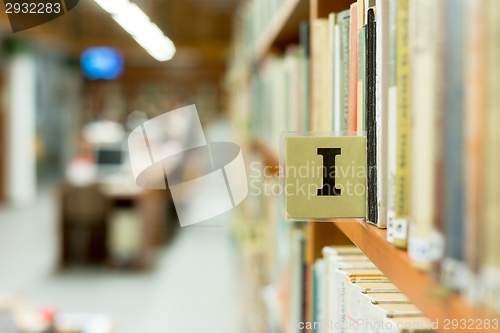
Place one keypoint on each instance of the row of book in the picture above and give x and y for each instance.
(280, 98)
(352, 295)
(272, 257)
(257, 17)
(421, 79)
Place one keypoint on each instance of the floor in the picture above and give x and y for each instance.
(193, 288)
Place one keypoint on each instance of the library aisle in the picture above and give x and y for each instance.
(193, 286)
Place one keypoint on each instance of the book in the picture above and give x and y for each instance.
(491, 263)
(475, 120)
(426, 243)
(385, 296)
(341, 250)
(338, 297)
(319, 294)
(453, 264)
(382, 105)
(377, 313)
(321, 66)
(440, 123)
(353, 70)
(361, 86)
(392, 104)
(403, 123)
(371, 120)
(304, 36)
(332, 256)
(342, 72)
(333, 34)
(354, 294)
(297, 275)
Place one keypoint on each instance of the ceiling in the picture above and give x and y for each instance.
(200, 30)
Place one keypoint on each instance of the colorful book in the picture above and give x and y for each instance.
(403, 134)
(424, 41)
(306, 47)
(332, 35)
(297, 276)
(491, 268)
(342, 72)
(361, 86)
(392, 122)
(319, 293)
(353, 69)
(321, 64)
(475, 120)
(454, 155)
(382, 105)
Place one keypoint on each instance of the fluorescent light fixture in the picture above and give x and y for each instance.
(134, 21)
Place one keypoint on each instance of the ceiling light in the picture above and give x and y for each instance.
(134, 21)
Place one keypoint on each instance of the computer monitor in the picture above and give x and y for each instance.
(109, 156)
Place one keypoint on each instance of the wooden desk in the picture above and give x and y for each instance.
(152, 206)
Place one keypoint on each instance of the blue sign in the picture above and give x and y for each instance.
(103, 63)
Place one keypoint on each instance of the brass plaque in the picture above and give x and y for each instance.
(325, 177)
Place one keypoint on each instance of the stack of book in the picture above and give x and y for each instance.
(357, 297)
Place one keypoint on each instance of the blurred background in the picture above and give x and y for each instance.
(82, 248)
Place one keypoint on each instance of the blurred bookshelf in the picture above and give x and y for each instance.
(279, 32)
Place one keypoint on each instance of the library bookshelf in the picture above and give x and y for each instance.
(434, 300)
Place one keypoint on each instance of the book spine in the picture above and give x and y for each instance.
(491, 268)
(305, 43)
(337, 84)
(361, 106)
(319, 294)
(424, 241)
(333, 64)
(392, 122)
(327, 62)
(454, 176)
(371, 125)
(382, 96)
(440, 146)
(297, 271)
(344, 41)
(353, 69)
(475, 125)
(403, 136)
(319, 36)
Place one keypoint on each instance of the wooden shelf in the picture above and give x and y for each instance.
(284, 27)
(433, 299)
(269, 156)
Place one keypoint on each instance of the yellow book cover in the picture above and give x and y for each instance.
(475, 125)
(403, 132)
(491, 269)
